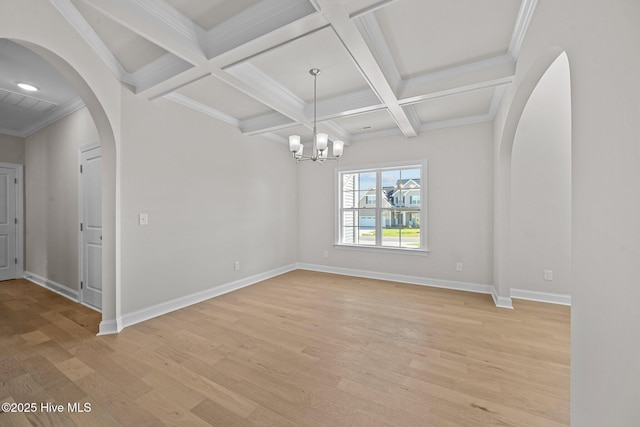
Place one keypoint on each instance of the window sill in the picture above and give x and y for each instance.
(383, 249)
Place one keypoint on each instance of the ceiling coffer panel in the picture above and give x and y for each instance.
(209, 13)
(131, 50)
(433, 35)
(374, 121)
(465, 104)
(289, 66)
(214, 93)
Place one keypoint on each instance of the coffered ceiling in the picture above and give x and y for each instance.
(388, 67)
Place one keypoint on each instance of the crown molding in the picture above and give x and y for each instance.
(276, 138)
(266, 123)
(384, 133)
(55, 114)
(459, 121)
(201, 108)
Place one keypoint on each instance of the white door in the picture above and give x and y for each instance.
(91, 227)
(8, 221)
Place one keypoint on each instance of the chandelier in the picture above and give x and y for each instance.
(319, 150)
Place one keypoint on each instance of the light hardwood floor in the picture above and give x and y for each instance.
(302, 349)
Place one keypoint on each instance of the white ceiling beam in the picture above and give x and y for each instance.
(527, 9)
(86, 31)
(364, 59)
(250, 80)
(381, 49)
(272, 93)
(254, 22)
(157, 22)
(216, 65)
(369, 9)
(165, 67)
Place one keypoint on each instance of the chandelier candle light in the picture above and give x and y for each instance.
(319, 151)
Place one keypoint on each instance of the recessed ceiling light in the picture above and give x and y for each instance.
(27, 87)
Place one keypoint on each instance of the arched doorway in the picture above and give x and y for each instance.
(39, 27)
(503, 239)
(540, 229)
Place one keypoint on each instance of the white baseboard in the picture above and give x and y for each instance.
(185, 301)
(501, 302)
(108, 327)
(547, 297)
(52, 286)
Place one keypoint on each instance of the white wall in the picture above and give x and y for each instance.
(51, 198)
(11, 149)
(541, 187)
(600, 39)
(459, 197)
(213, 197)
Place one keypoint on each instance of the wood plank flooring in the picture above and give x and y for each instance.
(301, 349)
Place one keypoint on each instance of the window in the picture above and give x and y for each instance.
(381, 207)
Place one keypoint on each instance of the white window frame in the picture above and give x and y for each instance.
(422, 165)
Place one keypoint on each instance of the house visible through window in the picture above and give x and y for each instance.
(381, 207)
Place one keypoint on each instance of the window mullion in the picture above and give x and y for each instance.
(378, 208)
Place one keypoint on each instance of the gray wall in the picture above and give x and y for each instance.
(213, 197)
(459, 214)
(11, 149)
(600, 39)
(51, 198)
(540, 236)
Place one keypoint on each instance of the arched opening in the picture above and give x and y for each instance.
(503, 169)
(540, 229)
(107, 137)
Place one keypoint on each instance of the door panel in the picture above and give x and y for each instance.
(91, 209)
(7, 223)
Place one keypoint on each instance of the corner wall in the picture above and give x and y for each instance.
(51, 198)
(600, 39)
(213, 197)
(11, 149)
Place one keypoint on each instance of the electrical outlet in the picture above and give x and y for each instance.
(548, 275)
(143, 219)
(459, 266)
(236, 265)
(326, 254)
